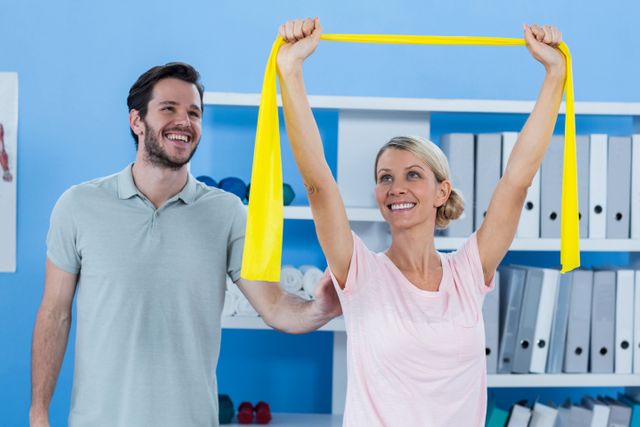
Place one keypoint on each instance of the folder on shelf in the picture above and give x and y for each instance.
(491, 316)
(576, 357)
(543, 416)
(558, 336)
(488, 168)
(529, 225)
(635, 186)
(636, 325)
(460, 151)
(623, 353)
(580, 416)
(520, 415)
(551, 188)
(527, 323)
(600, 411)
(564, 414)
(496, 417)
(542, 331)
(511, 290)
(620, 414)
(634, 404)
(582, 155)
(598, 186)
(618, 187)
(603, 321)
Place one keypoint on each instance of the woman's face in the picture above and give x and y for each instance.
(407, 191)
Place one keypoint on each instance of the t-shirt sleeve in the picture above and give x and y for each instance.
(235, 246)
(359, 268)
(62, 237)
(466, 261)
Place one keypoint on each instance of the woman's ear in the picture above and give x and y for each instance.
(443, 192)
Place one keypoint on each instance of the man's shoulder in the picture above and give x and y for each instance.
(88, 190)
(216, 196)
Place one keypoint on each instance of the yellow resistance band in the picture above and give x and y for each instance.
(263, 245)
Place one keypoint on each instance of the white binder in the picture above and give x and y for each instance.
(598, 187)
(460, 151)
(491, 316)
(624, 322)
(635, 187)
(546, 308)
(603, 322)
(529, 225)
(636, 325)
(488, 168)
(618, 187)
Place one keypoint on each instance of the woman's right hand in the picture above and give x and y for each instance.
(302, 37)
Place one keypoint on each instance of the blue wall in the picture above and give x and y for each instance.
(76, 61)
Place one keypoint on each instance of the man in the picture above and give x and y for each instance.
(148, 250)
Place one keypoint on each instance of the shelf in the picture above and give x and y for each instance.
(255, 322)
(425, 104)
(451, 243)
(563, 380)
(298, 420)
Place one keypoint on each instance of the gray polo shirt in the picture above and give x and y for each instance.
(149, 299)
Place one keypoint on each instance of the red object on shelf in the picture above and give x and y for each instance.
(263, 413)
(245, 413)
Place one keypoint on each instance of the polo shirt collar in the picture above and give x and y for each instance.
(127, 188)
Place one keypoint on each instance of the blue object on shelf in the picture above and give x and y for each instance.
(234, 185)
(207, 180)
(287, 193)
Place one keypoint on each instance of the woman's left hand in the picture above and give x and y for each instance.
(542, 42)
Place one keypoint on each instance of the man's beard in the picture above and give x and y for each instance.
(157, 155)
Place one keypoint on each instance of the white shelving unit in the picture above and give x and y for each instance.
(357, 121)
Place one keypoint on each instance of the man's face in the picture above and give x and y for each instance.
(172, 127)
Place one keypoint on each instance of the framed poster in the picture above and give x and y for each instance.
(8, 169)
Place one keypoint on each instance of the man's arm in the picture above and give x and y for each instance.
(290, 313)
(50, 337)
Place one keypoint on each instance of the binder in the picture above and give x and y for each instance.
(618, 187)
(558, 336)
(623, 353)
(635, 186)
(542, 332)
(520, 416)
(636, 325)
(620, 414)
(600, 411)
(543, 416)
(582, 155)
(529, 225)
(603, 321)
(635, 408)
(598, 186)
(564, 414)
(511, 290)
(491, 316)
(460, 151)
(580, 416)
(576, 356)
(527, 324)
(551, 188)
(488, 168)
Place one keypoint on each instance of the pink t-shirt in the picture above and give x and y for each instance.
(414, 357)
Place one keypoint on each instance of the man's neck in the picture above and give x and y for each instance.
(158, 184)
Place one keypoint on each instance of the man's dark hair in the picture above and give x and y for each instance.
(141, 91)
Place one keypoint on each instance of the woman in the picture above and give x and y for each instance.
(413, 315)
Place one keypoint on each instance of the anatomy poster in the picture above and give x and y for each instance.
(8, 169)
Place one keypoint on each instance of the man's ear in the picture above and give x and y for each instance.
(444, 190)
(136, 122)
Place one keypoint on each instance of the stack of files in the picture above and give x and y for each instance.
(459, 149)
(603, 322)
(529, 225)
(487, 172)
(491, 316)
(576, 356)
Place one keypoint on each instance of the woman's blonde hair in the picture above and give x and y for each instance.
(435, 159)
